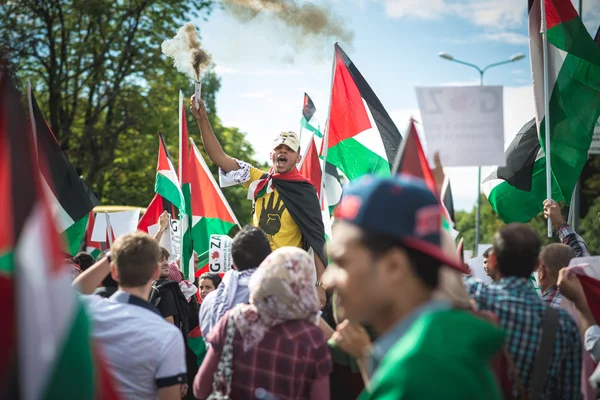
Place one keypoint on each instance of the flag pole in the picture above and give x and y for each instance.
(327, 123)
(32, 119)
(546, 111)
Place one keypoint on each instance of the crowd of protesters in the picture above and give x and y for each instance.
(395, 315)
(404, 319)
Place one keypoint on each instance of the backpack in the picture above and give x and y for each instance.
(181, 319)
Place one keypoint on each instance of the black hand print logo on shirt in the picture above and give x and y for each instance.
(270, 216)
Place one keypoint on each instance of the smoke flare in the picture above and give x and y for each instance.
(186, 50)
(306, 18)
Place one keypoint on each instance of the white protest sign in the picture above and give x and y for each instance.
(122, 222)
(595, 146)
(219, 254)
(166, 240)
(464, 124)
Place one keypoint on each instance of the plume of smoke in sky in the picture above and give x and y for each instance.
(306, 19)
(186, 50)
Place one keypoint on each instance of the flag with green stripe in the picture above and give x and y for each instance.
(70, 198)
(211, 213)
(46, 351)
(361, 137)
(517, 191)
(185, 221)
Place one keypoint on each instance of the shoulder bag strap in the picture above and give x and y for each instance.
(544, 353)
(225, 367)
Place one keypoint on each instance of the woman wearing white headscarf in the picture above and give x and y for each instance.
(273, 343)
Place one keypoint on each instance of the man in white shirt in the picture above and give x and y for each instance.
(145, 353)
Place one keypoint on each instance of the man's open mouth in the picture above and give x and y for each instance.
(281, 160)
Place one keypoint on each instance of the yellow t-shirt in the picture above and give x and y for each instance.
(271, 215)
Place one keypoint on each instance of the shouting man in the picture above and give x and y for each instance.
(285, 203)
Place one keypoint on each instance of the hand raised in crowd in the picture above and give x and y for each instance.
(163, 221)
(438, 172)
(353, 339)
(198, 110)
(552, 211)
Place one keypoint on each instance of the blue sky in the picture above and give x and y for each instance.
(395, 47)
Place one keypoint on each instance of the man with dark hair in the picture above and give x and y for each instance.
(144, 353)
(109, 286)
(84, 260)
(486, 259)
(386, 257)
(249, 249)
(553, 258)
(544, 343)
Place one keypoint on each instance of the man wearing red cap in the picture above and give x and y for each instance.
(285, 203)
(387, 255)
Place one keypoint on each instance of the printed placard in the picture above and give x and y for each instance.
(219, 254)
(464, 124)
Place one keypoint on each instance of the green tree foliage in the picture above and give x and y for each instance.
(491, 223)
(106, 89)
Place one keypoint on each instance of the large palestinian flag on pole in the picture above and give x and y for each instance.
(46, 350)
(517, 191)
(71, 201)
(185, 223)
(361, 137)
(211, 213)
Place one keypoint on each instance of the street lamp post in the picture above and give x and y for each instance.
(513, 58)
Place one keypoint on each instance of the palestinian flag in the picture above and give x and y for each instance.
(149, 221)
(308, 112)
(311, 169)
(361, 137)
(211, 214)
(167, 184)
(71, 201)
(46, 350)
(94, 248)
(517, 191)
(197, 344)
(185, 224)
(412, 161)
(332, 181)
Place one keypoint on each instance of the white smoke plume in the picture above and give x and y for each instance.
(186, 50)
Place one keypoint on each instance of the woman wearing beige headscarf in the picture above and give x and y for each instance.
(273, 343)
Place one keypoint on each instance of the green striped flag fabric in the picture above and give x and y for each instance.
(361, 137)
(185, 221)
(211, 213)
(517, 191)
(167, 183)
(46, 351)
(70, 198)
